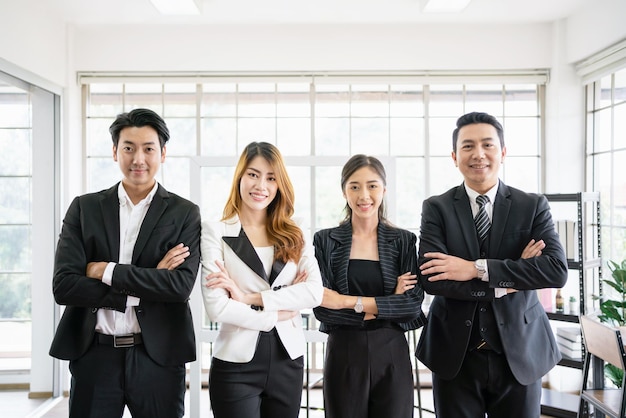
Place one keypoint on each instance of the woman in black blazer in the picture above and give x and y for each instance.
(371, 298)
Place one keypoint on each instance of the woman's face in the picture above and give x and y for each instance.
(258, 186)
(364, 192)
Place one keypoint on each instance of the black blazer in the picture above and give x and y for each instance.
(398, 254)
(447, 226)
(91, 233)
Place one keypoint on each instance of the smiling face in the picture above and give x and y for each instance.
(479, 156)
(258, 186)
(139, 155)
(364, 192)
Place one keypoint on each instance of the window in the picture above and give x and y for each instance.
(15, 220)
(317, 123)
(606, 158)
(29, 135)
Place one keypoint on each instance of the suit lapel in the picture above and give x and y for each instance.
(387, 253)
(157, 207)
(340, 256)
(501, 209)
(242, 246)
(466, 220)
(277, 267)
(110, 207)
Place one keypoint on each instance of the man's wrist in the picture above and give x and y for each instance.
(481, 269)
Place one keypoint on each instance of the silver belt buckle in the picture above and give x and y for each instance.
(123, 341)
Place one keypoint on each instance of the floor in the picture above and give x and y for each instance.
(15, 404)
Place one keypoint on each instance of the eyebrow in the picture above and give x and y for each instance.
(488, 138)
(367, 182)
(129, 142)
(271, 173)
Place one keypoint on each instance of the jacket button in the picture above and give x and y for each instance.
(468, 323)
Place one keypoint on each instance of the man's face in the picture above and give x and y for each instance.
(479, 156)
(139, 156)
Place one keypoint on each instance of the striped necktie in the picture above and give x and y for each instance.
(482, 220)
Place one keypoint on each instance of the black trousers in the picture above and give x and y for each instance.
(485, 385)
(368, 373)
(106, 379)
(269, 386)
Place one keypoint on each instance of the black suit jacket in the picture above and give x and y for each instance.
(397, 253)
(90, 233)
(447, 226)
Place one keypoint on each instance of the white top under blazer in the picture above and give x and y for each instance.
(239, 323)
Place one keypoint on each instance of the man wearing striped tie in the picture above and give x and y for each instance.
(484, 249)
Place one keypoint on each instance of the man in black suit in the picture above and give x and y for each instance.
(487, 341)
(125, 265)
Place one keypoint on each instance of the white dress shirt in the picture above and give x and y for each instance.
(131, 217)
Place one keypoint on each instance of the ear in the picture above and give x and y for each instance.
(163, 152)
(114, 153)
(453, 155)
(503, 155)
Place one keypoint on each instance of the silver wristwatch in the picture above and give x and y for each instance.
(481, 266)
(358, 306)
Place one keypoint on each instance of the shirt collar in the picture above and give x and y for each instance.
(491, 193)
(124, 199)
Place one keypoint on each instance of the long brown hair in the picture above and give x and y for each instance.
(283, 233)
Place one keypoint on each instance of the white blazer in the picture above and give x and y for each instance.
(239, 323)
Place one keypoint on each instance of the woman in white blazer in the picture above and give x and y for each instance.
(258, 274)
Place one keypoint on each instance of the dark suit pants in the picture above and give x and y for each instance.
(107, 378)
(485, 384)
(269, 386)
(368, 373)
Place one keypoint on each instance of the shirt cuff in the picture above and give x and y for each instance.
(107, 276)
(485, 277)
(499, 292)
(132, 301)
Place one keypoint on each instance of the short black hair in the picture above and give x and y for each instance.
(477, 117)
(139, 118)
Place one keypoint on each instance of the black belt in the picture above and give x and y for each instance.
(119, 341)
(371, 325)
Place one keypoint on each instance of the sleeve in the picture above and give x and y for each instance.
(163, 285)
(549, 270)
(217, 303)
(407, 306)
(432, 239)
(307, 294)
(323, 249)
(70, 285)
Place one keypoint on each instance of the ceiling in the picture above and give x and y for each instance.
(89, 12)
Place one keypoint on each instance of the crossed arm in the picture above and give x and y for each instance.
(172, 259)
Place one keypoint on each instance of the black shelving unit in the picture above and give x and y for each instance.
(588, 245)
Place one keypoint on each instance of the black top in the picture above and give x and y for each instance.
(365, 278)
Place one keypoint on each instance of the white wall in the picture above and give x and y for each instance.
(33, 38)
(597, 26)
(311, 47)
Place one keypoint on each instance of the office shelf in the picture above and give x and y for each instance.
(588, 263)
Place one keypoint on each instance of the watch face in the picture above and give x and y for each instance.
(358, 308)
